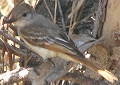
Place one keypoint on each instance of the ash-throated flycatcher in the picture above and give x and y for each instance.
(47, 40)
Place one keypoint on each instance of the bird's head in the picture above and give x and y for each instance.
(20, 15)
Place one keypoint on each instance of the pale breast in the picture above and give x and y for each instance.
(45, 53)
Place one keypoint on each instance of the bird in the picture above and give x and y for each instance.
(46, 39)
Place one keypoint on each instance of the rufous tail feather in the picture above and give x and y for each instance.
(103, 72)
(108, 75)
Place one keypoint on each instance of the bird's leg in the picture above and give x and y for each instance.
(49, 59)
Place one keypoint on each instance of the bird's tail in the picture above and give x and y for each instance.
(108, 75)
(105, 73)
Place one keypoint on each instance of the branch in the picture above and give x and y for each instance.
(81, 79)
(13, 76)
(3, 32)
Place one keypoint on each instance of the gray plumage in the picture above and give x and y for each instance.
(47, 40)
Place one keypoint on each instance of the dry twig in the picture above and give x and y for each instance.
(48, 10)
(55, 11)
(61, 14)
(13, 76)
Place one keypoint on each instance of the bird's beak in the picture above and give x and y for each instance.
(10, 20)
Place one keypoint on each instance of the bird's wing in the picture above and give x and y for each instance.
(49, 39)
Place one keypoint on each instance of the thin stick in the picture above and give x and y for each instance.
(13, 39)
(71, 18)
(55, 11)
(83, 3)
(80, 3)
(76, 13)
(48, 10)
(7, 63)
(73, 14)
(83, 20)
(61, 14)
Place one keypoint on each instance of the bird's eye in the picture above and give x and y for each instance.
(24, 15)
